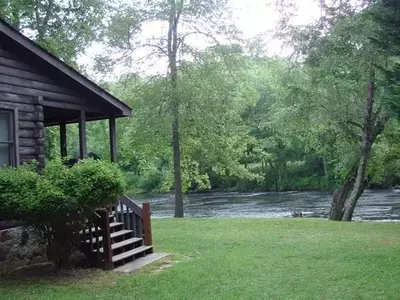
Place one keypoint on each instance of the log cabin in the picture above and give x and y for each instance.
(38, 90)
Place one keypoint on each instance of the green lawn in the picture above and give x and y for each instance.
(245, 259)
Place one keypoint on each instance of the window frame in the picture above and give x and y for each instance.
(13, 144)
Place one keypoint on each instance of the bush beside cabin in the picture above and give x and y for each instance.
(57, 203)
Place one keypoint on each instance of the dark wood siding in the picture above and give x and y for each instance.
(23, 87)
(31, 81)
(20, 76)
(42, 95)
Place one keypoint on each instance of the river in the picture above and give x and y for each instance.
(381, 206)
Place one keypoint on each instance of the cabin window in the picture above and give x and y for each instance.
(7, 142)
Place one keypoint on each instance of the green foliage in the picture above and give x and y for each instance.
(91, 183)
(19, 194)
(385, 164)
(65, 28)
(155, 180)
(247, 122)
(59, 202)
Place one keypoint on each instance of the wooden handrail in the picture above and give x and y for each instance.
(136, 220)
(144, 215)
(131, 205)
(148, 240)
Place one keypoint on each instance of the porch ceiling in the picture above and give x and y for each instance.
(55, 116)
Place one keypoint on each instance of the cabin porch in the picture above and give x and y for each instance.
(118, 234)
(61, 117)
(39, 90)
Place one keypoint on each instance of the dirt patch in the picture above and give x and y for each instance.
(169, 262)
(47, 273)
(386, 241)
(164, 265)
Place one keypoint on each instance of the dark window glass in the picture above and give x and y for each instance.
(6, 139)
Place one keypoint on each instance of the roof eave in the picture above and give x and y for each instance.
(63, 67)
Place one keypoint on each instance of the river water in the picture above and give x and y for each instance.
(373, 205)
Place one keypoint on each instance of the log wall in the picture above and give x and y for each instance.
(26, 88)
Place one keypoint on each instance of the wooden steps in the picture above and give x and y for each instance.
(125, 248)
(124, 243)
(115, 224)
(129, 254)
(112, 235)
(93, 229)
(109, 242)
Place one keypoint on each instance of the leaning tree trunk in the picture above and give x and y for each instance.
(365, 149)
(343, 205)
(340, 196)
(172, 57)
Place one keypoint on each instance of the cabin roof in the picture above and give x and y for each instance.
(54, 66)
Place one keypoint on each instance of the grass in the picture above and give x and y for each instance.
(244, 259)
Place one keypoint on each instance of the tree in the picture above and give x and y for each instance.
(346, 66)
(374, 120)
(275, 142)
(64, 28)
(214, 93)
(186, 22)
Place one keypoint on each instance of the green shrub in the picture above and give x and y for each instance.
(18, 194)
(91, 183)
(58, 203)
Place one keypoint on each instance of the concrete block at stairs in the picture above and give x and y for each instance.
(141, 262)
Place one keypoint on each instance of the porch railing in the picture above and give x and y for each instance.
(125, 211)
(135, 218)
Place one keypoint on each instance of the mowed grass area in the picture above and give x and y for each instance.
(245, 259)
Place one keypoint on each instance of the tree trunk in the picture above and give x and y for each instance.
(365, 149)
(172, 57)
(340, 197)
(326, 174)
(177, 165)
(279, 180)
(343, 205)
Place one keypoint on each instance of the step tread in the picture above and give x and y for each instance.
(122, 244)
(115, 224)
(112, 225)
(113, 235)
(131, 253)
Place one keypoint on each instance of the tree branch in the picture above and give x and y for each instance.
(154, 46)
(48, 12)
(355, 124)
(379, 127)
(179, 13)
(171, 26)
(377, 113)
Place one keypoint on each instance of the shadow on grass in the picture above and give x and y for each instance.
(47, 273)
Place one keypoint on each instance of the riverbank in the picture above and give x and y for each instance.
(330, 189)
(380, 205)
(244, 259)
